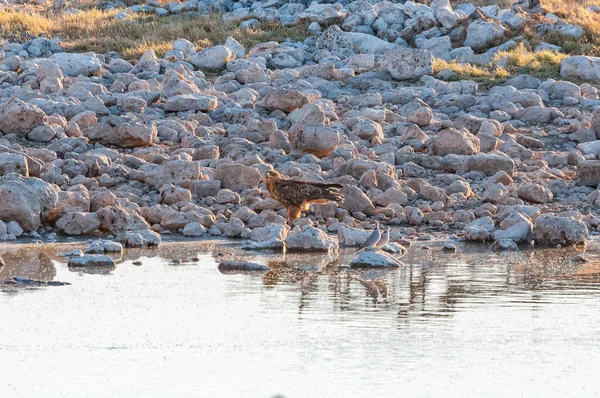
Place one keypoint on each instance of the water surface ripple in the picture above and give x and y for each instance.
(473, 323)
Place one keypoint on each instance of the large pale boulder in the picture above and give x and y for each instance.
(407, 63)
(278, 232)
(122, 132)
(368, 130)
(69, 202)
(314, 138)
(453, 141)
(363, 43)
(177, 172)
(581, 67)
(117, 219)
(535, 193)
(213, 58)
(357, 200)
(140, 238)
(444, 14)
(311, 240)
(26, 200)
(390, 196)
(482, 34)
(551, 230)
(479, 230)
(490, 163)
(349, 237)
(13, 163)
(147, 63)
(76, 64)
(42, 47)
(78, 223)
(375, 259)
(588, 173)
(191, 102)
(336, 41)
(237, 177)
(174, 83)
(92, 261)
(20, 117)
(323, 13)
(516, 227)
(284, 99)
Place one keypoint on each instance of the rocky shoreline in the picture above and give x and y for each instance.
(91, 144)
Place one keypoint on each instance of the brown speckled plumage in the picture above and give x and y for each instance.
(297, 196)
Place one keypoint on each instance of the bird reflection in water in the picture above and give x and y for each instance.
(304, 270)
(375, 287)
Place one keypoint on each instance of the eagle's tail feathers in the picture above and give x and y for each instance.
(332, 193)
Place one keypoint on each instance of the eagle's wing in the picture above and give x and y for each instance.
(297, 193)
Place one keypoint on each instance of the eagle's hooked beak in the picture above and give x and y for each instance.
(270, 174)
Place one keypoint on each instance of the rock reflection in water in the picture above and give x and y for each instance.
(21, 261)
(433, 283)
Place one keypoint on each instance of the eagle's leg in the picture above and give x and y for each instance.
(292, 214)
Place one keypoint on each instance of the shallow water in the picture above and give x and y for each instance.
(445, 325)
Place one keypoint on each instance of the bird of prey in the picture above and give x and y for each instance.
(297, 195)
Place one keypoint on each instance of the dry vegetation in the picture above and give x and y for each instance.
(468, 70)
(99, 31)
(522, 59)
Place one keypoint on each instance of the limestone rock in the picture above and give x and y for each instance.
(194, 229)
(284, 99)
(407, 63)
(588, 173)
(26, 200)
(314, 138)
(233, 266)
(453, 141)
(78, 223)
(551, 230)
(140, 238)
(237, 177)
(123, 132)
(482, 34)
(92, 260)
(104, 246)
(581, 67)
(311, 240)
(213, 58)
(177, 172)
(117, 219)
(479, 230)
(194, 102)
(356, 200)
(535, 193)
(76, 64)
(490, 163)
(375, 259)
(350, 237)
(13, 163)
(20, 118)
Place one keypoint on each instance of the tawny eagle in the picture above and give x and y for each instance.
(297, 195)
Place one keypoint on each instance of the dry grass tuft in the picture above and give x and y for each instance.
(542, 64)
(468, 70)
(98, 31)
